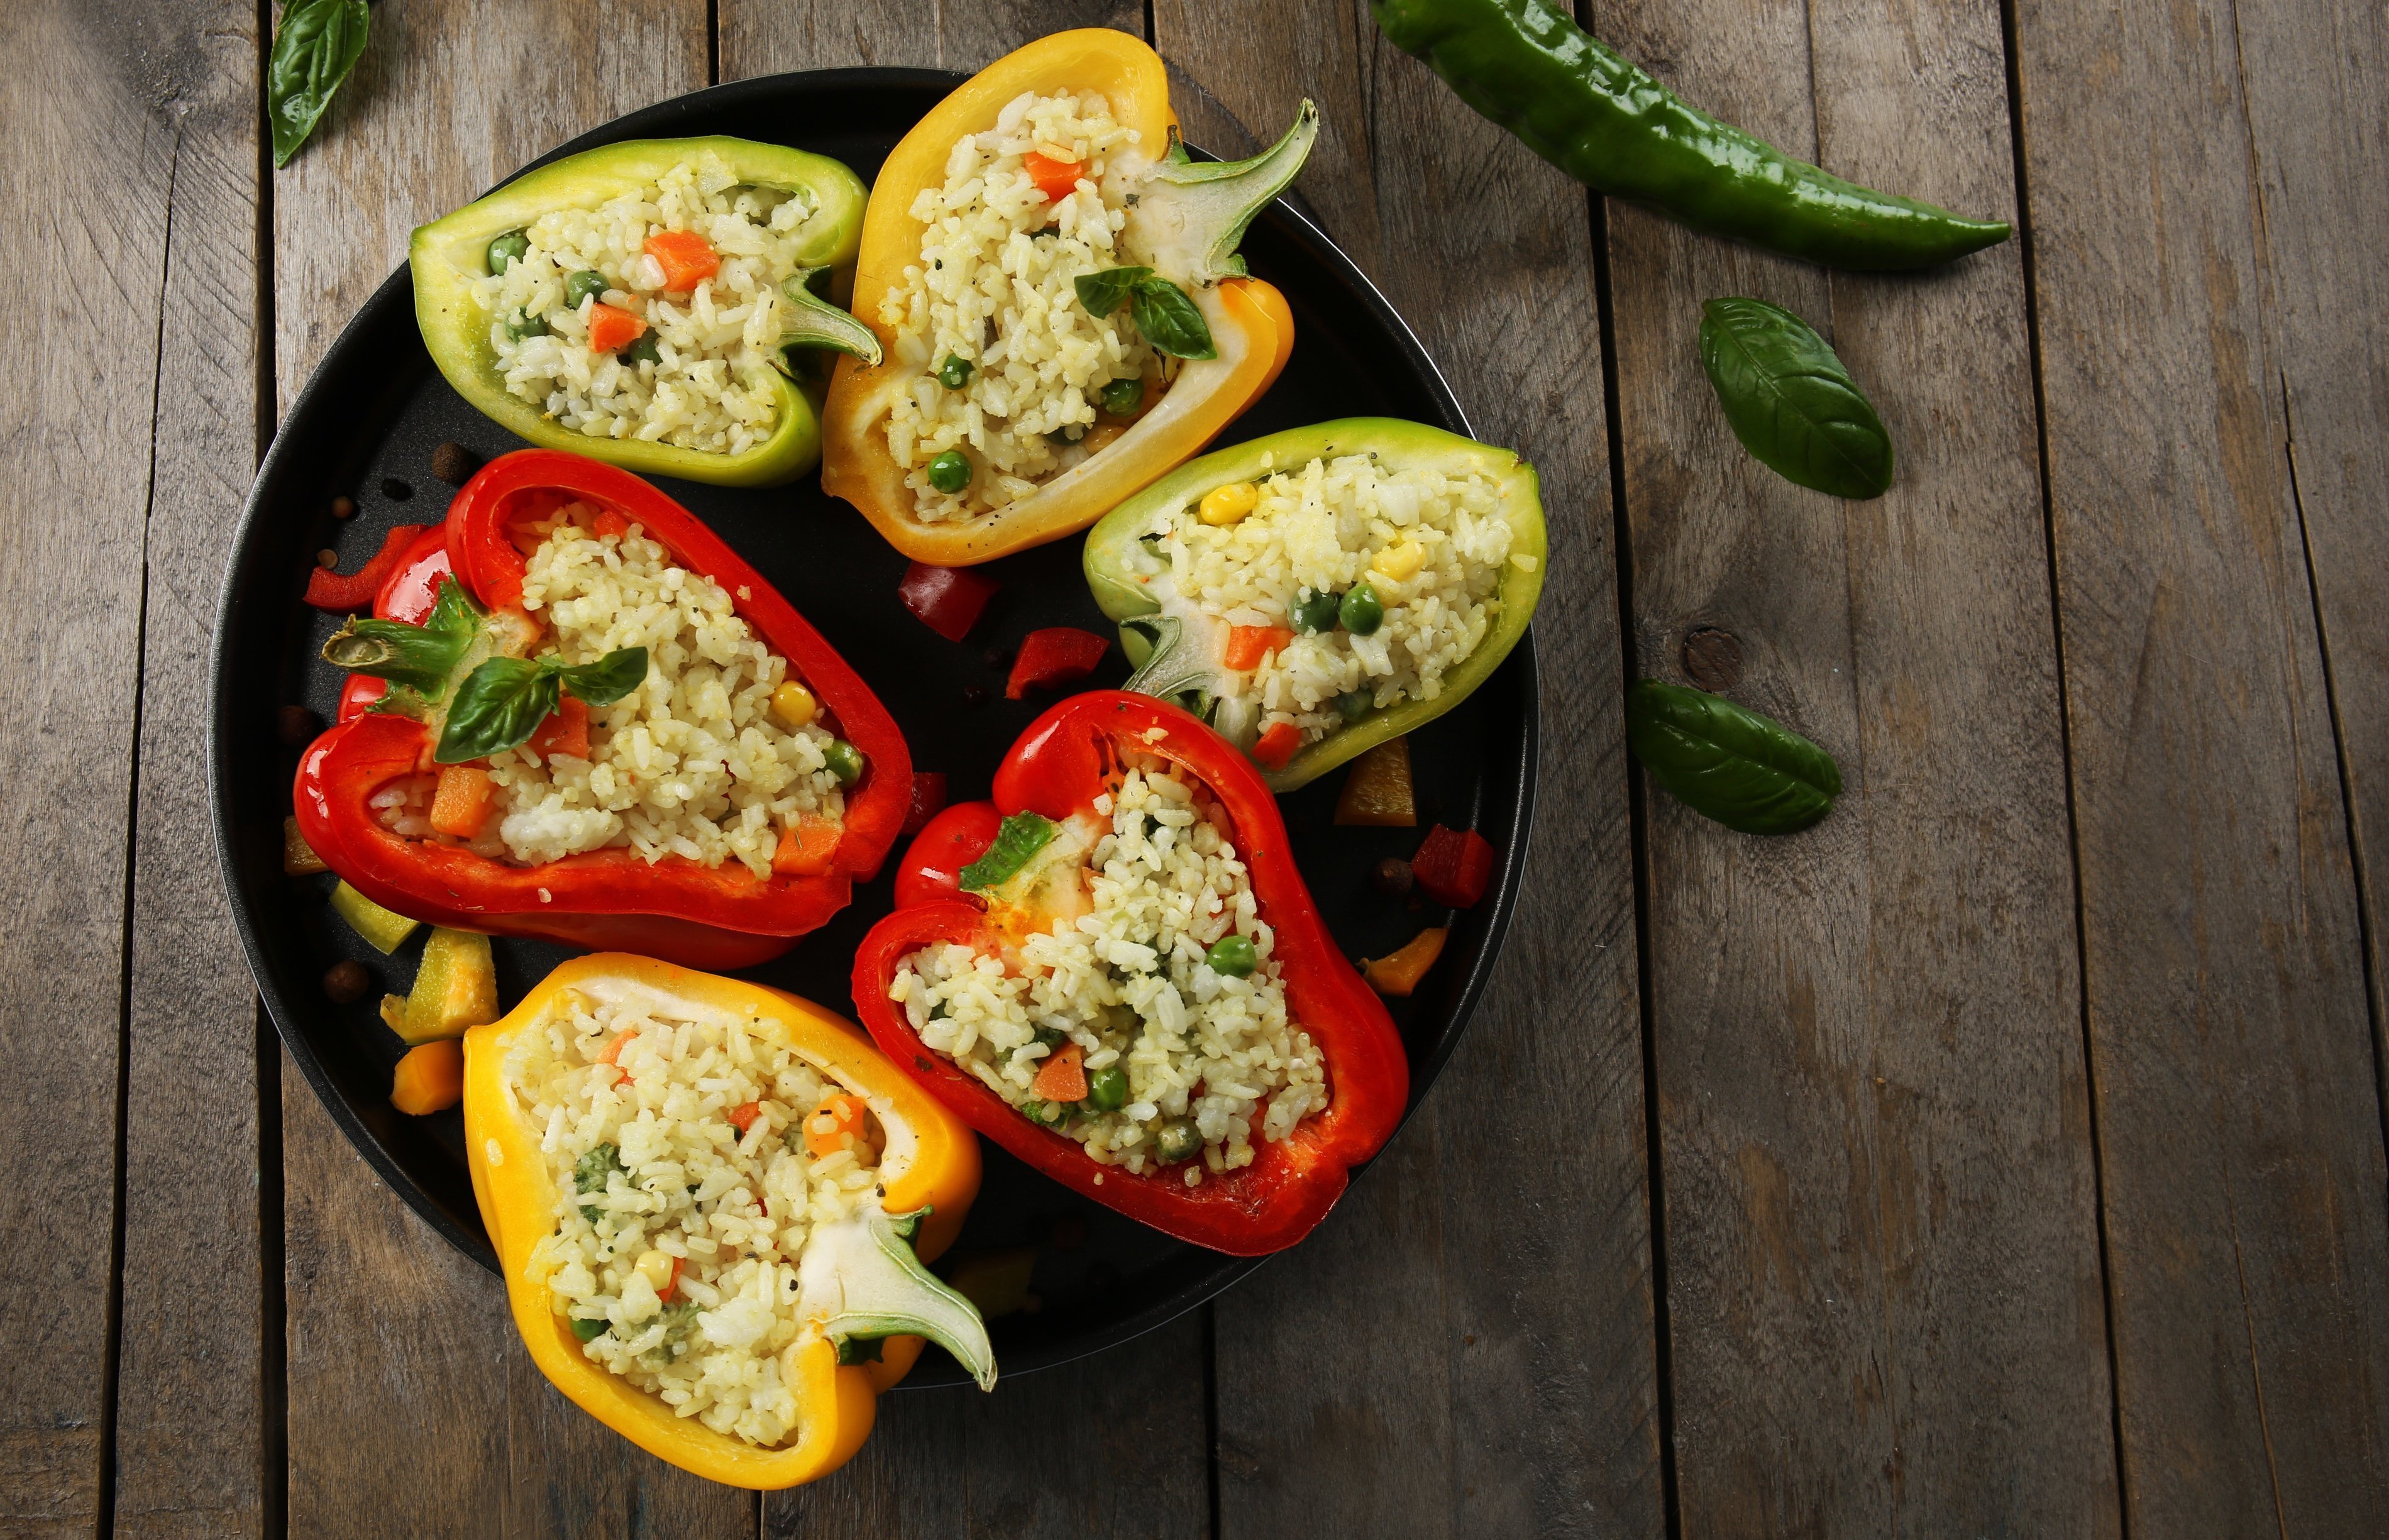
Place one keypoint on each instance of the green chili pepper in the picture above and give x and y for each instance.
(1182, 663)
(1528, 66)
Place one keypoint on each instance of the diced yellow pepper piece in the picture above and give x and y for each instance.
(1401, 560)
(1229, 505)
(299, 858)
(1398, 973)
(428, 1079)
(456, 988)
(795, 703)
(1377, 793)
(385, 930)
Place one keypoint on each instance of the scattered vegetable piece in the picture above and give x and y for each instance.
(1063, 1076)
(929, 799)
(949, 600)
(327, 589)
(430, 1078)
(1399, 973)
(1018, 839)
(318, 42)
(456, 988)
(1277, 745)
(299, 858)
(611, 328)
(1454, 866)
(1726, 762)
(1249, 646)
(1377, 794)
(807, 847)
(687, 258)
(1053, 656)
(462, 803)
(385, 930)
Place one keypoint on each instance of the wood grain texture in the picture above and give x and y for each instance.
(1881, 1237)
(2239, 1113)
(77, 441)
(395, 1340)
(765, 37)
(1418, 1367)
(192, 1403)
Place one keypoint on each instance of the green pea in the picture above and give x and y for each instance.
(1047, 1115)
(642, 350)
(589, 1331)
(523, 324)
(1176, 1140)
(1233, 956)
(587, 284)
(1353, 705)
(951, 472)
(1107, 1088)
(1069, 433)
(1316, 610)
(843, 760)
(508, 249)
(1121, 396)
(955, 373)
(1362, 612)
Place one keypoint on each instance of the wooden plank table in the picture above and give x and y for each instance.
(2004, 1156)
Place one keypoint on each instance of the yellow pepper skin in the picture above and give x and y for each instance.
(931, 1160)
(1251, 323)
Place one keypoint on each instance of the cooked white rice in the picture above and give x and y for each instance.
(1322, 528)
(994, 288)
(682, 1182)
(692, 763)
(1127, 980)
(711, 386)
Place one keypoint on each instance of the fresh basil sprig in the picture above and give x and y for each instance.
(314, 48)
(1724, 761)
(1790, 402)
(1168, 319)
(1019, 838)
(420, 657)
(501, 703)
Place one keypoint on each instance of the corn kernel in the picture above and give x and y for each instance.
(1229, 505)
(795, 703)
(1401, 560)
(657, 1268)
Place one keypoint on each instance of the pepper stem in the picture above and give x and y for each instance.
(1175, 668)
(819, 324)
(1196, 218)
(861, 1277)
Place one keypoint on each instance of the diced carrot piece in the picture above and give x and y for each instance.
(806, 848)
(611, 328)
(1399, 973)
(687, 258)
(1056, 179)
(613, 1052)
(841, 1117)
(1248, 645)
(462, 803)
(1377, 794)
(608, 522)
(743, 1116)
(430, 1079)
(566, 730)
(1063, 1076)
(1277, 745)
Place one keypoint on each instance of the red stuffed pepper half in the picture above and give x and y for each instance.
(1114, 971)
(576, 713)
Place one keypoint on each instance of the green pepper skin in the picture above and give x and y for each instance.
(1532, 70)
(448, 254)
(1114, 557)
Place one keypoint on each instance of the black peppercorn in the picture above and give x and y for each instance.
(1392, 877)
(345, 982)
(454, 464)
(295, 725)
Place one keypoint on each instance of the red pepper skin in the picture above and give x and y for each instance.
(1066, 759)
(949, 600)
(928, 798)
(698, 917)
(1453, 866)
(328, 590)
(1055, 655)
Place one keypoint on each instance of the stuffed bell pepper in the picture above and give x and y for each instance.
(577, 714)
(1114, 971)
(710, 1203)
(1318, 592)
(1064, 314)
(637, 303)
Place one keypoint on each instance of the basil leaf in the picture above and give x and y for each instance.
(1170, 320)
(1101, 293)
(420, 657)
(606, 681)
(1790, 402)
(499, 706)
(314, 48)
(1745, 771)
(1021, 836)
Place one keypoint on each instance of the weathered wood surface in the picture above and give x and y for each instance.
(2054, 1049)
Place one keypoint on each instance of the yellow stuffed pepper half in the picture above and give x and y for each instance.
(1062, 312)
(712, 1201)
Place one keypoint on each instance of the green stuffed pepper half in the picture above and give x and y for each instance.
(1318, 592)
(638, 303)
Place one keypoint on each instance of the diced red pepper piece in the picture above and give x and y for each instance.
(948, 599)
(929, 799)
(1247, 646)
(611, 328)
(566, 730)
(1277, 745)
(687, 258)
(1055, 655)
(1056, 179)
(328, 590)
(607, 522)
(1454, 866)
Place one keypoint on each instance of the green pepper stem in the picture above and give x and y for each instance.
(1194, 219)
(819, 324)
(860, 1278)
